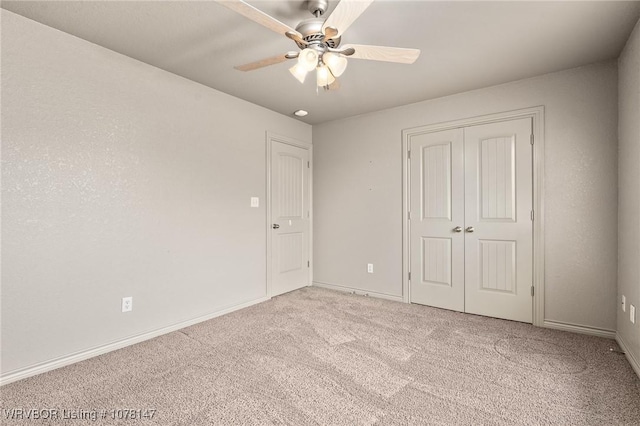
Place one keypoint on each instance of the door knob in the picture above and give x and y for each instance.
(457, 229)
(469, 229)
(275, 226)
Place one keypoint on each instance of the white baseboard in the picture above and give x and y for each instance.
(635, 363)
(357, 291)
(23, 373)
(582, 329)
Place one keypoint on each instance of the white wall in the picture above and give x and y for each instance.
(358, 189)
(629, 194)
(120, 179)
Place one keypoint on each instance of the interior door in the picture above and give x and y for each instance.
(498, 220)
(290, 217)
(437, 219)
(471, 229)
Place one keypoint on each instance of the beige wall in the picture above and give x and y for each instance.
(358, 189)
(120, 179)
(629, 194)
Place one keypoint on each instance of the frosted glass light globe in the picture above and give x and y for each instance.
(336, 63)
(308, 59)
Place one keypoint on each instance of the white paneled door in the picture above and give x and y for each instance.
(437, 207)
(498, 209)
(471, 223)
(290, 217)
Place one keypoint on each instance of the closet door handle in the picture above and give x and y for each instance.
(469, 229)
(457, 229)
(275, 226)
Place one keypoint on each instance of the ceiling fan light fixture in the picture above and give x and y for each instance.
(308, 59)
(319, 39)
(299, 72)
(336, 63)
(324, 76)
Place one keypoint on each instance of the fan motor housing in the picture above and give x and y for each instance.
(311, 30)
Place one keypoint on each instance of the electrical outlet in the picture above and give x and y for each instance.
(624, 304)
(370, 268)
(632, 314)
(255, 202)
(127, 304)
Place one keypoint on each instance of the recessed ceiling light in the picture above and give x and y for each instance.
(300, 113)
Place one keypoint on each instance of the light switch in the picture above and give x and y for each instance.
(255, 202)
(632, 314)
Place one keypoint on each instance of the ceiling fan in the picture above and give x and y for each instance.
(318, 40)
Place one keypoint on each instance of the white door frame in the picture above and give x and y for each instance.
(537, 116)
(270, 138)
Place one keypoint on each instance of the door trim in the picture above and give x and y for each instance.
(537, 116)
(269, 139)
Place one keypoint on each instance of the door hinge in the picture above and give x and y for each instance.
(532, 139)
(308, 263)
(533, 291)
(532, 215)
(409, 215)
(409, 155)
(308, 165)
(409, 276)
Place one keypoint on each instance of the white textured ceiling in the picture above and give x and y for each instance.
(465, 45)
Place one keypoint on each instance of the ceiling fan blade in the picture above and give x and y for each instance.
(257, 15)
(263, 63)
(345, 13)
(335, 85)
(296, 36)
(329, 33)
(383, 53)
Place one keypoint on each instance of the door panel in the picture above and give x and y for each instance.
(497, 178)
(290, 217)
(498, 204)
(497, 265)
(437, 252)
(289, 184)
(291, 247)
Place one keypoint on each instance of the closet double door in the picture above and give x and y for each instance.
(470, 227)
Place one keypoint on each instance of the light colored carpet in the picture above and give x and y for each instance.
(320, 357)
